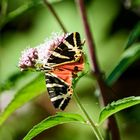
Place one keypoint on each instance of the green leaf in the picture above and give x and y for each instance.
(52, 121)
(117, 106)
(12, 80)
(134, 35)
(28, 92)
(128, 57)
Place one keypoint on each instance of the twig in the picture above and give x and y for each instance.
(104, 89)
(4, 5)
(90, 40)
(17, 12)
(55, 15)
(94, 127)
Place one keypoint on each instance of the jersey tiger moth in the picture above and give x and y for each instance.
(60, 58)
(65, 61)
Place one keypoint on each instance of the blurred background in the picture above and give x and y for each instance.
(111, 22)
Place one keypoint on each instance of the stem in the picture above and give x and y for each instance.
(104, 89)
(90, 40)
(55, 15)
(3, 13)
(94, 127)
(111, 122)
(4, 5)
(17, 12)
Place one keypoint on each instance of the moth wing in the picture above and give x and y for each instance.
(68, 51)
(59, 91)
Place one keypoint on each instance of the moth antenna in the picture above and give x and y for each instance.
(83, 42)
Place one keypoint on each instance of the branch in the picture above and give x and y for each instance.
(94, 127)
(7, 17)
(55, 15)
(90, 40)
(104, 89)
(4, 5)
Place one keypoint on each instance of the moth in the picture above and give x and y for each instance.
(65, 61)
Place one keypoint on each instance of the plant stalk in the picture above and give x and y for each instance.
(55, 15)
(7, 17)
(94, 127)
(96, 72)
(4, 5)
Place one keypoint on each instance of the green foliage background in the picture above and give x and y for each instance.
(31, 28)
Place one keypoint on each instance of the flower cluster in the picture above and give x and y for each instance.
(28, 58)
(33, 57)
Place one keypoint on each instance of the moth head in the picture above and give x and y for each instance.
(42, 66)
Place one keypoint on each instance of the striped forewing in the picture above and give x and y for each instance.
(68, 51)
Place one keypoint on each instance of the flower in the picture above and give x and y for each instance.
(28, 58)
(37, 57)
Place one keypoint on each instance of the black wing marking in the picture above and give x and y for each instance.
(68, 51)
(59, 91)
